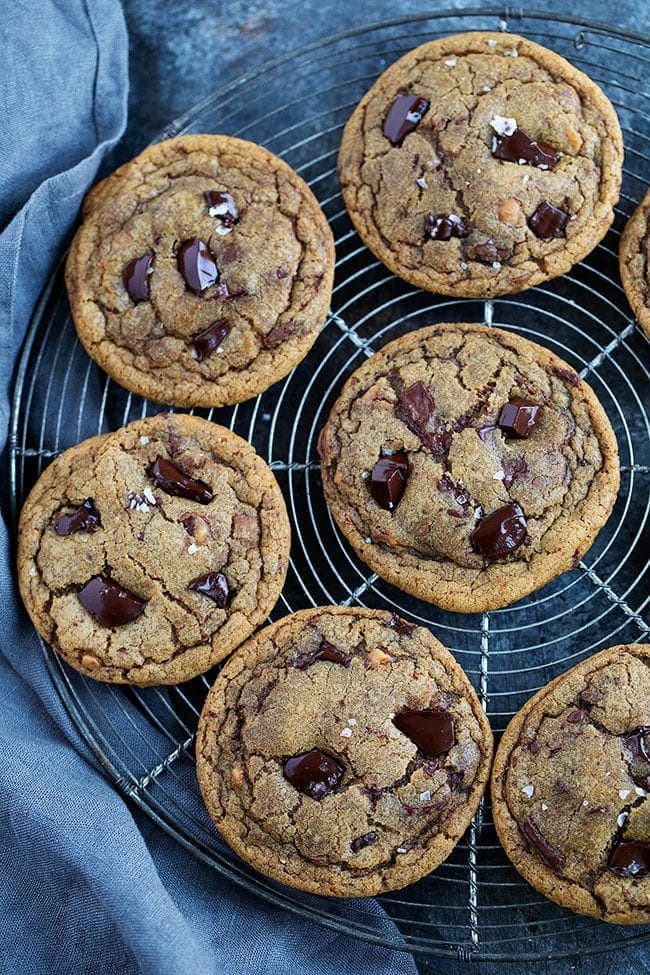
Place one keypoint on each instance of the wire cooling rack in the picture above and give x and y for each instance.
(475, 906)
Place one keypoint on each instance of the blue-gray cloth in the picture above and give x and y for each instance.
(87, 884)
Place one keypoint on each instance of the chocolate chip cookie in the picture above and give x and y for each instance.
(468, 466)
(202, 272)
(634, 255)
(570, 784)
(481, 164)
(146, 555)
(343, 752)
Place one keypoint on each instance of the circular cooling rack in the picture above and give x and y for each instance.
(475, 906)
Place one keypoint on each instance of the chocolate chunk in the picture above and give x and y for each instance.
(630, 858)
(638, 745)
(325, 651)
(512, 469)
(518, 417)
(440, 226)
(500, 533)
(404, 115)
(210, 338)
(546, 851)
(222, 205)
(399, 625)
(135, 278)
(280, 332)
(85, 518)
(361, 842)
(197, 265)
(388, 480)
(417, 409)
(313, 773)
(460, 495)
(548, 221)
(164, 475)
(109, 603)
(214, 585)
(432, 730)
(568, 375)
(578, 717)
(487, 252)
(519, 145)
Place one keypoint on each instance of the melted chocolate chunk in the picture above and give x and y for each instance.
(313, 773)
(518, 417)
(214, 585)
(548, 221)
(197, 265)
(630, 858)
(487, 252)
(417, 409)
(432, 730)
(638, 745)
(222, 205)
(109, 603)
(325, 651)
(404, 115)
(578, 717)
(85, 518)
(519, 145)
(210, 339)
(399, 625)
(361, 842)
(460, 495)
(546, 851)
(135, 278)
(512, 469)
(440, 226)
(164, 475)
(388, 480)
(500, 533)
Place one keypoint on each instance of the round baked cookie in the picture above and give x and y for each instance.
(202, 272)
(634, 262)
(570, 783)
(146, 555)
(468, 466)
(343, 752)
(481, 164)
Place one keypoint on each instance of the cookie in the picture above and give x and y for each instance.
(634, 262)
(481, 164)
(202, 272)
(468, 466)
(147, 555)
(343, 752)
(569, 787)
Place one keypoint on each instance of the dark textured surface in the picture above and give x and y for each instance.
(180, 51)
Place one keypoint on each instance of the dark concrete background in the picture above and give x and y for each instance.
(180, 50)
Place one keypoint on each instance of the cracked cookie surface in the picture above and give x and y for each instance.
(202, 271)
(336, 682)
(434, 400)
(634, 262)
(147, 555)
(569, 787)
(451, 157)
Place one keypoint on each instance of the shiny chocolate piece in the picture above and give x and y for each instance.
(388, 479)
(548, 221)
(324, 651)
(432, 730)
(518, 417)
(520, 148)
(214, 585)
(578, 717)
(404, 115)
(109, 603)
(441, 226)
(313, 773)
(552, 857)
(85, 518)
(223, 206)
(164, 475)
(630, 858)
(417, 409)
(197, 265)
(637, 744)
(399, 625)
(500, 533)
(135, 278)
(210, 339)
(361, 842)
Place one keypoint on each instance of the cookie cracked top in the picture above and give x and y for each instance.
(570, 787)
(468, 466)
(481, 164)
(202, 271)
(343, 751)
(634, 261)
(146, 555)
